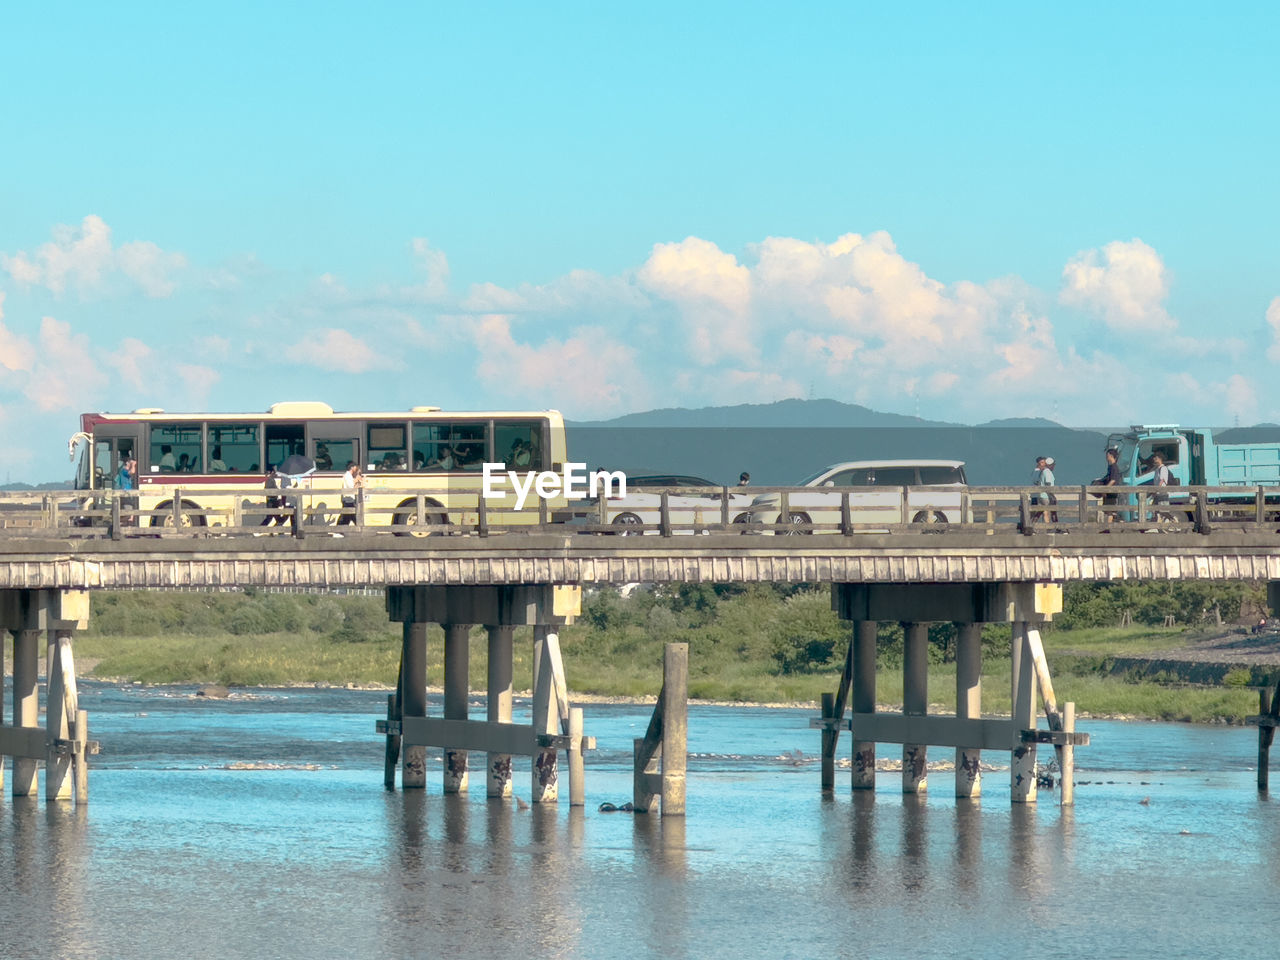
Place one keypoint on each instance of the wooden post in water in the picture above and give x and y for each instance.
(833, 708)
(1067, 765)
(457, 665)
(498, 710)
(915, 702)
(675, 727)
(413, 700)
(62, 706)
(1022, 766)
(26, 706)
(969, 706)
(864, 701)
(1268, 717)
(546, 765)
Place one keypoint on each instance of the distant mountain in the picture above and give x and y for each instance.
(783, 413)
(780, 443)
(50, 485)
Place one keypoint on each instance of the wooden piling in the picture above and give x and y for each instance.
(498, 709)
(833, 709)
(1268, 714)
(864, 701)
(1022, 765)
(577, 769)
(675, 727)
(62, 705)
(26, 704)
(1067, 765)
(915, 702)
(457, 664)
(969, 706)
(546, 767)
(413, 700)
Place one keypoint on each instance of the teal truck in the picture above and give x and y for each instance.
(1195, 459)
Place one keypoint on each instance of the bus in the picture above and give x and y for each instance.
(423, 465)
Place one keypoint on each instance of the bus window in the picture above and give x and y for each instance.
(446, 447)
(234, 448)
(518, 444)
(467, 440)
(174, 443)
(387, 447)
(284, 440)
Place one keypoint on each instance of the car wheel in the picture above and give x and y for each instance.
(626, 523)
(934, 520)
(796, 520)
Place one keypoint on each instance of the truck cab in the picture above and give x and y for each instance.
(1183, 452)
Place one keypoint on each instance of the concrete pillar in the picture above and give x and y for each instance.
(1022, 766)
(26, 709)
(413, 700)
(498, 782)
(915, 702)
(864, 701)
(546, 767)
(969, 706)
(457, 667)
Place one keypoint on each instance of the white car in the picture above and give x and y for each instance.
(643, 504)
(875, 490)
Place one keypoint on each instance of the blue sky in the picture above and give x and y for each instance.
(969, 213)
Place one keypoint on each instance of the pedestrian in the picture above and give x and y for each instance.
(352, 488)
(127, 479)
(1111, 478)
(274, 502)
(744, 479)
(1160, 478)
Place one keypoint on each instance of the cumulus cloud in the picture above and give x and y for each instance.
(711, 290)
(1273, 321)
(594, 372)
(84, 259)
(1125, 283)
(339, 351)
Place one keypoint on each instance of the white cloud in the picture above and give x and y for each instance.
(1239, 397)
(1273, 321)
(83, 259)
(1124, 283)
(339, 351)
(594, 372)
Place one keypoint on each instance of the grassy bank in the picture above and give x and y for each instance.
(753, 645)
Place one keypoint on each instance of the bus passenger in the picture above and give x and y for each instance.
(215, 464)
(167, 461)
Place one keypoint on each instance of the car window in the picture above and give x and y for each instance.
(895, 476)
(941, 475)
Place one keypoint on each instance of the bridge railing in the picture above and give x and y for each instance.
(675, 511)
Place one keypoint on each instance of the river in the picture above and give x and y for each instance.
(257, 826)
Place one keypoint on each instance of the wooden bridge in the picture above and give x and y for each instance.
(1006, 562)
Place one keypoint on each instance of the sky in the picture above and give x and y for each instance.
(965, 212)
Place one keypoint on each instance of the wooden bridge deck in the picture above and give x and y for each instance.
(377, 559)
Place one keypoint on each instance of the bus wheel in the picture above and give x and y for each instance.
(409, 518)
(166, 520)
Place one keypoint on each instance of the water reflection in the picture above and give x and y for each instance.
(967, 826)
(914, 845)
(661, 861)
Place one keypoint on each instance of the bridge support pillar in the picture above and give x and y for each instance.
(1024, 606)
(63, 744)
(500, 669)
(915, 703)
(457, 668)
(969, 706)
(554, 727)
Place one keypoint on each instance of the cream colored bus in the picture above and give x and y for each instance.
(420, 465)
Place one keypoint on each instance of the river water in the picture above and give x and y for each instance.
(258, 827)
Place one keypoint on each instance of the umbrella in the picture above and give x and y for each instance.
(296, 466)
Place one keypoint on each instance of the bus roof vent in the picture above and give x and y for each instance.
(301, 408)
(424, 409)
(148, 410)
